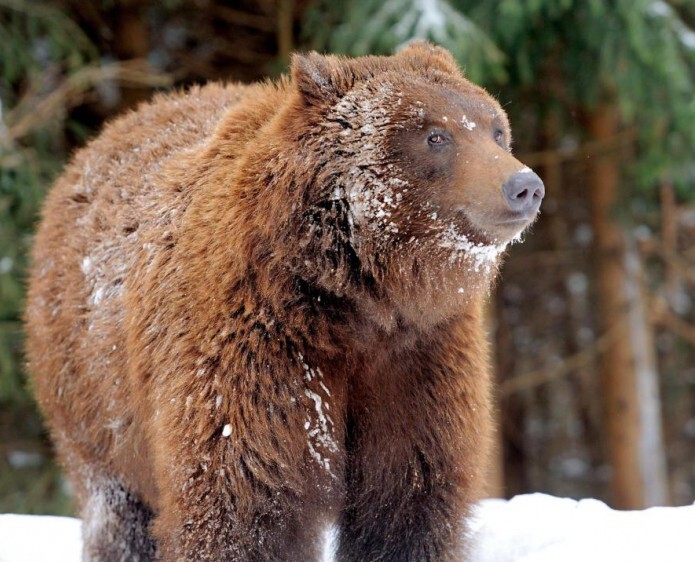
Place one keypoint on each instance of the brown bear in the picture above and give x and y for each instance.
(256, 310)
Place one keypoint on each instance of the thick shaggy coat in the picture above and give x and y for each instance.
(255, 310)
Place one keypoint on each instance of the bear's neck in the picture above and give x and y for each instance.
(360, 323)
(363, 342)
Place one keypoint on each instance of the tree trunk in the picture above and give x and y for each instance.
(628, 374)
(618, 378)
(651, 440)
(132, 41)
(285, 17)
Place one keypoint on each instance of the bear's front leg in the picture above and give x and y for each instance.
(257, 523)
(416, 450)
(406, 509)
(254, 477)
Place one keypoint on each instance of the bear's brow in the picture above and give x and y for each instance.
(466, 102)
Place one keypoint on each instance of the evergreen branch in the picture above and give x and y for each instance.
(10, 327)
(55, 20)
(73, 89)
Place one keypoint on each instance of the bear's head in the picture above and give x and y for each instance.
(403, 190)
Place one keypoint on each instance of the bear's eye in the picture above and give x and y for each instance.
(437, 139)
(499, 136)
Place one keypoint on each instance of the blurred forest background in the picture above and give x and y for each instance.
(593, 319)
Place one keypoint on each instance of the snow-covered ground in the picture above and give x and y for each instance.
(529, 528)
(540, 528)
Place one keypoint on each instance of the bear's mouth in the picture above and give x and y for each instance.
(491, 228)
(519, 221)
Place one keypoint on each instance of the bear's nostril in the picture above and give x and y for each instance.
(523, 192)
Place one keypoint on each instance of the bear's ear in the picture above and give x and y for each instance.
(320, 78)
(427, 54)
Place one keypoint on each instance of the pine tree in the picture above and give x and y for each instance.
(638, 55)
(47, 66)
(618, 65)
(38, 47)
(382, 27)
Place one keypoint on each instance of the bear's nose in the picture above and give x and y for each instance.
(524, 191)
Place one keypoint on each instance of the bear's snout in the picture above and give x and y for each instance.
(523, 192)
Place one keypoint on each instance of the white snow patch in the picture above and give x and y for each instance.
(659, 9)
(426, 19)
(467, 124)
(97, 295)
(432, 15)
(320, 427)
(687, 37)
(24, 459)
(320, 436)
(541, 528)
(528, 528)
(483, 256)
(6, 264)
(40, 538)
(325, 389)
(104, 271)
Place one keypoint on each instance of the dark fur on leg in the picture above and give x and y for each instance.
(116, 527)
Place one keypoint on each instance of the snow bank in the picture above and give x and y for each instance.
(34, 538)
(541, 528)
(529, 528)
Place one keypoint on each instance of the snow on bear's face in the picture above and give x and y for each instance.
(417, 161)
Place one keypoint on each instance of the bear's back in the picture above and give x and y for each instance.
(98, 216)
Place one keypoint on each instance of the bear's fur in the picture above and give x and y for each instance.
(255, 310)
